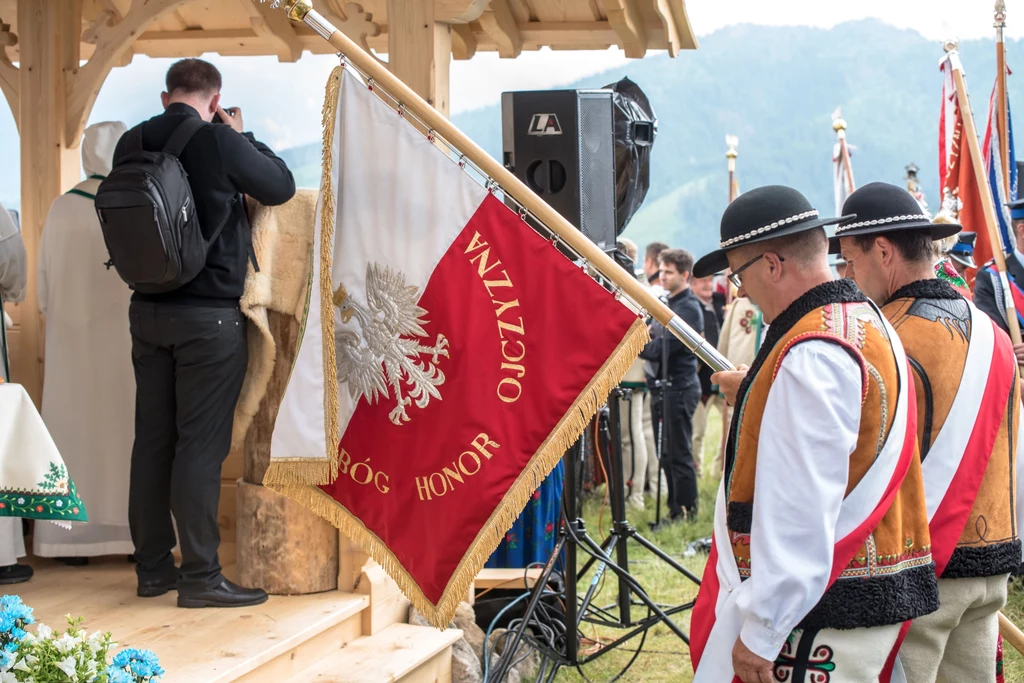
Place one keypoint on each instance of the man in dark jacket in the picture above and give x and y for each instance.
(675, 404)
(189, 348)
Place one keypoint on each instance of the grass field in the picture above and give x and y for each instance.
(664, 657)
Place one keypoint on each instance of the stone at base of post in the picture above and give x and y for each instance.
(283, 548)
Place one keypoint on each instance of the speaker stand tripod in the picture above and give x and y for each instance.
(573, 538)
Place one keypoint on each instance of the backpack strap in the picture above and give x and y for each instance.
(182, 134)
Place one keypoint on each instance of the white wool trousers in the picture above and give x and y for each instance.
(958, 642)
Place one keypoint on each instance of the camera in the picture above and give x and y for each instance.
(217, 117)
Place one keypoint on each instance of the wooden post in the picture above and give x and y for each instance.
(419, 50)
(49, 34)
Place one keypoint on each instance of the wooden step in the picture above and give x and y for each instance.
(401, 652)
(270, 642)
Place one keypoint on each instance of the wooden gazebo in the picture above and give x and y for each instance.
(55, 56)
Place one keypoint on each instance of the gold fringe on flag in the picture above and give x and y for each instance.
(315, 471)
(562, 437)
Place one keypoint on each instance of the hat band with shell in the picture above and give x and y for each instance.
(881, 221)
(767, 228)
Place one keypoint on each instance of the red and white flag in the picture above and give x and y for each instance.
(960, 190)
(448, 358)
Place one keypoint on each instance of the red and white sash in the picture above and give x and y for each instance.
(955, 466)
(717, 621)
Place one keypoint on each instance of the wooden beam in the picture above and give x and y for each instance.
(49, 34)
(9, 85)
(500, 25)
(419, 50)
(353, 21)
(463, 42)
(676, 26)
(625, 18)
(458, 11)
(83, 84)
(273, 25)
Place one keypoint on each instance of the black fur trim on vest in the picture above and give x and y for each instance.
(933, 288)
(834, 292)
(878, 601)
(740, 517)
(980, 561)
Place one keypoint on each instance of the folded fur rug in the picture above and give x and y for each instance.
(282, 237)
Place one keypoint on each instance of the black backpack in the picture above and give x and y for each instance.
(148, 215)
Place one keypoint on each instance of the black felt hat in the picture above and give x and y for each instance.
(761, 214)
(881, 208)
(963, 251)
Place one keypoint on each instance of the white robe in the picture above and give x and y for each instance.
(12, 290)
(89, 383)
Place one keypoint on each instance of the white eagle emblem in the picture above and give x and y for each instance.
(384, 353)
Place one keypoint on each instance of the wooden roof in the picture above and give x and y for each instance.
(186, 28)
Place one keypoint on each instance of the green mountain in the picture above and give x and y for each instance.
(775, 88)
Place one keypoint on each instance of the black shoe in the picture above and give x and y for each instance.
(15, 573)
(224, 594)
(74, 561)
(153, 588)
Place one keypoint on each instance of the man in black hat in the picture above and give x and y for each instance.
(968, 406)
(962, 253)
(821, 544)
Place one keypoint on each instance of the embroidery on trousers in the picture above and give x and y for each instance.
(820, 666)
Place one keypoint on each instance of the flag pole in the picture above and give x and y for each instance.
(302, 11)
(1001, 100)
(731, 141)
(839, 126)
(988, 204)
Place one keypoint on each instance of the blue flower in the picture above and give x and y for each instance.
(143, 664)
(115, 675)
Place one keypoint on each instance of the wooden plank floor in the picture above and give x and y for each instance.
(210, 645)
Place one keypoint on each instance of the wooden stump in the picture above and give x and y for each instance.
(282, 547)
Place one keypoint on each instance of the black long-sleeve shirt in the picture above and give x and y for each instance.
(222, 165)
(682, 364)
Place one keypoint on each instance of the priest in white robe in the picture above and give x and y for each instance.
(89, 385)
(13, 276)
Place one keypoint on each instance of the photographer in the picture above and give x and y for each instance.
(189, 345)
(676, 406)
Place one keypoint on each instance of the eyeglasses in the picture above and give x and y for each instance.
(734, 277)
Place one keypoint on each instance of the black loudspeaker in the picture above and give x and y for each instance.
(561, 144)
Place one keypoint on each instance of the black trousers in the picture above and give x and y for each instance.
(189, 366)
(673, 409)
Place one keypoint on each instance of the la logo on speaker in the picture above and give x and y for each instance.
(544, 124)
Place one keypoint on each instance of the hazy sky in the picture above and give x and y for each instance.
(481, 80)
(131, 93)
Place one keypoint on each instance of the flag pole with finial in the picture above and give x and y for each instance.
(839, 126)
(970, 133)
(1002, 100)
(731, 141)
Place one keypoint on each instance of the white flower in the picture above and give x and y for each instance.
(66, 643)
(68, 666)
(8, 677)
(21, 501)
(59, 503)
(32, 660)
(43, 631)
(23, 665)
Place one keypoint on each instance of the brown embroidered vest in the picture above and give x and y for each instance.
(934, 323)
(892, 579)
